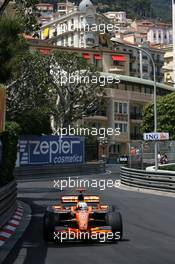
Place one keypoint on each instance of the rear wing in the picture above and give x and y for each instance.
(74, 199)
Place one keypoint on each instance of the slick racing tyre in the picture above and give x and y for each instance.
(49, 225)
(114, 219)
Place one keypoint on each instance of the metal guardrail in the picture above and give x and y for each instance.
(54, 170)
(162, 181)
(8, 202)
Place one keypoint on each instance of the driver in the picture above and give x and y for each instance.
(81, 205)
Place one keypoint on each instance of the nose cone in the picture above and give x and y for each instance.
(82, 219)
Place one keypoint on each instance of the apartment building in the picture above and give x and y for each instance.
(125, 103)
(168, 64)
(105, 60)
(125, 99)
(144, 69)
(46, 12)
(160, 34)
(146, 31)
(81, 27)
(119, 19)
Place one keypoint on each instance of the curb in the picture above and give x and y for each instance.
(8, 230)
(14, 229)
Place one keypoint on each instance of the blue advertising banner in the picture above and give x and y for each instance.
(37, 150)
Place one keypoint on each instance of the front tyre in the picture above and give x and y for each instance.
(114, 219)
(48, 227)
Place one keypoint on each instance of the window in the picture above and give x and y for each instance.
(148, 90)
(90, 41)
(145, 68)
(125, 108)
(81, 21)
(120, 108)
(144, 57)
(125, 128)
(72, 39)
(122, 126)
(116, 107)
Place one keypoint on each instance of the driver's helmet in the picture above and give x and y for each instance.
(82, 206)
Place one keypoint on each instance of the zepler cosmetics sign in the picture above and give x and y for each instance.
(50, 150)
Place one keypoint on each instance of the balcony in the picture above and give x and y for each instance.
(120, 117)
(116, 69)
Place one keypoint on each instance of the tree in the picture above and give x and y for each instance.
(165, 115)
(43, 82)
(75, 91)
(28, 96)
(11, 46)
(26, 13)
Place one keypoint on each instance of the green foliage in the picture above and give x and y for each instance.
(28, 16)
(28, 96)
(140, 9)
(40, 84)
(11, 46)
(165, 115)
(34, 122)
(167, 167)
(9, 140)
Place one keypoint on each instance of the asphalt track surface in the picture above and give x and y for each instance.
(149, 229)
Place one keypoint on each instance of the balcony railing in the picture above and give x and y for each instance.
(121, 117)
(116, 68)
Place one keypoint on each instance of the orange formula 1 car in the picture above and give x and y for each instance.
(82, 217)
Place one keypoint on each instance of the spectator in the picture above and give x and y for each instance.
(164, 159)
(159, 157)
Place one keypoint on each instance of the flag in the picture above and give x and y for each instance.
(46, 32)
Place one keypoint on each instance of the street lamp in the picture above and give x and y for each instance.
(120, 42)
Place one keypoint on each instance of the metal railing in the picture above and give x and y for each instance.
(161, 181)
(8, 203)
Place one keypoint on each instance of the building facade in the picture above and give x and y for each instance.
(82, 27)
(125, 99)
(145, 68)
(125, 103)
(104, 59)
(153, 33)
(168, 64)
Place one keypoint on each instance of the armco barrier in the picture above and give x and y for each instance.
(162, 181)
(8, 202)
(62, 170)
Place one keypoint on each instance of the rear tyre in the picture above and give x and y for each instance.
(114, 219)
